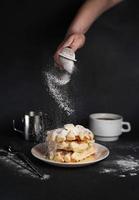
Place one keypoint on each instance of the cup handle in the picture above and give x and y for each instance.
(17, 130)
(128, 127)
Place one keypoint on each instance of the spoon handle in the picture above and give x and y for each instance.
(29, 163)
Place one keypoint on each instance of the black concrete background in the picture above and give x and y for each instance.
(108, 66)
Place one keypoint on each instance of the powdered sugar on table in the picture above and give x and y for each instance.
(20, 168)
(122, 166)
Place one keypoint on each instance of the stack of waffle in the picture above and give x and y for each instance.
(70, 144)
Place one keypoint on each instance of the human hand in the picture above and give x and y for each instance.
(74, 41)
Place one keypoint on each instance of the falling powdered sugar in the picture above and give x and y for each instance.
(56, 81)
(63, 80)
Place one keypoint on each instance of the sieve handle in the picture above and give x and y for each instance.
(17, 130)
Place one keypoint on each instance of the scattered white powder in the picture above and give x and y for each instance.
(122, 166)
(133, 174)
(122, 175)
(128, 164)
(108, 170)
(20, 167)
(45, 177)
(57, 91)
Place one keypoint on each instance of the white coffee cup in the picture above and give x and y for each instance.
(107, 126)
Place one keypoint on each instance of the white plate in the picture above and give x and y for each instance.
(102, 152)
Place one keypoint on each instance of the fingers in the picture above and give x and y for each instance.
(57, 60)
(68, 42)
(74, 41)
(77, 41)
(74, 47)
(65, 43)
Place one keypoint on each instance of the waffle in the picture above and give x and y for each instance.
(70, 143)
(64, 156)
(74, 146)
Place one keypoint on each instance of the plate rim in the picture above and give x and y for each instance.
(71, 164)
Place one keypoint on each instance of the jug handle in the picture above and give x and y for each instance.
(17, 130)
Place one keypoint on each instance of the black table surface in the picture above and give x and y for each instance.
(71, 183)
